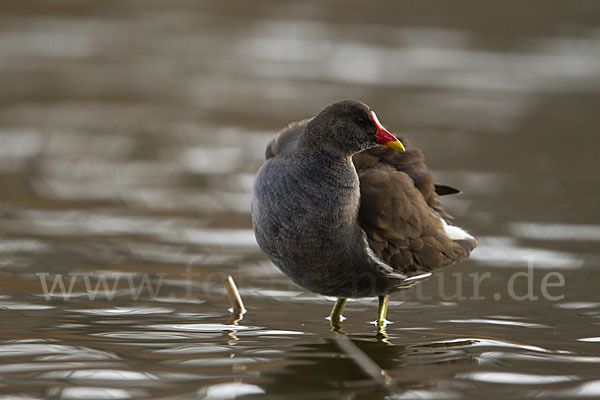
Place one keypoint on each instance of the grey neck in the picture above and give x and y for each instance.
(322, 147)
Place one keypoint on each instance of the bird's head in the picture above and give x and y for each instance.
(349, 127)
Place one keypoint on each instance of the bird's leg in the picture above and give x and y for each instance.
(382, 312)
(335, 318)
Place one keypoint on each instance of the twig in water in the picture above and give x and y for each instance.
(237, 305)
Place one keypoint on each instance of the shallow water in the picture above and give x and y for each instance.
(130, 133)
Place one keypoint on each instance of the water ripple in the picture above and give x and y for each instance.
(515, 378)
(226, 391)
(495, 322)
(99, 393)
(124, 311)
(200, 327)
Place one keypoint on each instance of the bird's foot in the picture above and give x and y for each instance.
(381, 323)
(382, 329)
(336, 323)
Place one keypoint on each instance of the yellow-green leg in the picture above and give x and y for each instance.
(382, 312)
(335, 318)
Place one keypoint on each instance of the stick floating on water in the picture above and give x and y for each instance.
(234, 296)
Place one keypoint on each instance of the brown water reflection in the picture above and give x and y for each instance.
(130, 133)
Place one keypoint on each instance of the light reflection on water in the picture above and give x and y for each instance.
(129, 138)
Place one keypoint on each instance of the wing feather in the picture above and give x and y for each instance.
(401, 213)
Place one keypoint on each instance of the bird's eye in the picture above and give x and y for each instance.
(361, 121)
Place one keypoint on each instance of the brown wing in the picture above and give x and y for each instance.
(411, 162)
(401, 213)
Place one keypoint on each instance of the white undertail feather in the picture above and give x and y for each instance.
(454, 232)
(419, 277)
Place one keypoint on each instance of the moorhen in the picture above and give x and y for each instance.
(344, 216)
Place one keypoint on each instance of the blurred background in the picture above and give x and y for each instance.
(130, 134)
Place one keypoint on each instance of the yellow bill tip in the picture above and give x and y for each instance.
(395, 144)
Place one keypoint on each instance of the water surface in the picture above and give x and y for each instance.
(130, 133)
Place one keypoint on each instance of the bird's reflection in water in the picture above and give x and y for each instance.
(325, 368)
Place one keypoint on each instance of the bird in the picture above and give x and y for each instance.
(347, 210)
